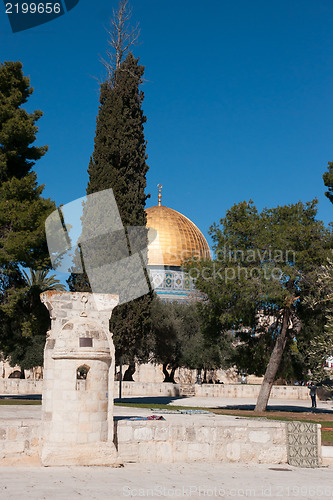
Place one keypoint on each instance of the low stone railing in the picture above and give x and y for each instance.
(204, 440)
(19, 437)
(186, 438)
(211, 390)
(20, 386)
(28, 386)
(250, 391)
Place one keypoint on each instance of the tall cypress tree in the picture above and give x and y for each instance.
(23, 319)
(119, 158)
(119, 162)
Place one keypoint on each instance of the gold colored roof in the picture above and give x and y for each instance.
(179, 238)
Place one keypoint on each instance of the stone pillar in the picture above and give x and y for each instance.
(77, 410)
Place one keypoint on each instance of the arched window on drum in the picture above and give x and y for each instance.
(81, 377)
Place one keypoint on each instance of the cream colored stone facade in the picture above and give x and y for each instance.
(77, 412)
(207, 439)
(153, 373)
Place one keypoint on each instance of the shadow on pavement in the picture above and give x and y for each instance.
(179, 399)
(36, 397)
(123, 417)
(286, 408)
(158, 400)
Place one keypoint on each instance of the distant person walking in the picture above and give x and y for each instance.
(313, 392)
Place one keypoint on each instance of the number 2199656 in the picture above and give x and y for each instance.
(33, 8)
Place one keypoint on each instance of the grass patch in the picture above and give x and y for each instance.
(6, 402)
(327, 438)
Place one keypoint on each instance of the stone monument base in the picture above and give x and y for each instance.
(77, 410)
(98, 453)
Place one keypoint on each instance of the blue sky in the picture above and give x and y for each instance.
(238, 97)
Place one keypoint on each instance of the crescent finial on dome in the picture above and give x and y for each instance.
(159, 194)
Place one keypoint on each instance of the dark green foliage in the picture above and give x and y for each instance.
(318, 318)
(253, 352)
(179, 339)
(252, 251)
(22, 217)
(316, 344)
(17, 127)
(119, 158)
(119, 162)
(328, 181)
(132, 330)
(23, 319)
(42, 280)
(167, 323)
(24, 322)
(78, 283)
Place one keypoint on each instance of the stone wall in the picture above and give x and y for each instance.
(6, 370)
(207, 440)
(153, 372)
(146, 389)
(211, 390)
(250, 391)
(23, 387)
(180, 438)
(19, 438)
(20, 386)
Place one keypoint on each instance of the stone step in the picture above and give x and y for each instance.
(187, 390)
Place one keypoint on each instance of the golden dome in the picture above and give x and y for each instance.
(179, 238)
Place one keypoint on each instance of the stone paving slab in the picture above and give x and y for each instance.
(14, 412)
(156, 481)
(25, 412)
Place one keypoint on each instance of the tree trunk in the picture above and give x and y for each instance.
(165, 372)
(128, 375)
(172, 375)
(273, 365)
(169, 377)
(120, 376)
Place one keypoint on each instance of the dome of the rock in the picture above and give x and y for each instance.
(178, 238)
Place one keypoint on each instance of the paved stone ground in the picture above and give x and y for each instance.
(243, 403)
(156, 481)
(12, 411)
(249, 403)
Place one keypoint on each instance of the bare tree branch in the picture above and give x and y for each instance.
(121, 37)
